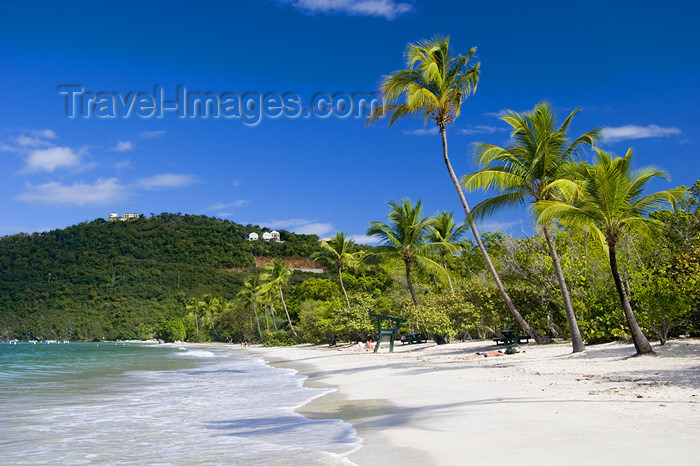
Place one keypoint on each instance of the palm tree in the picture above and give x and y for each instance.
(193, 305)
(608, 202)
(278, 274)
(211, 307)
(445, 236)
(337, 252)
(529, 171)
(267, 299)
(433, 85)
(250, 295)
(405, 237)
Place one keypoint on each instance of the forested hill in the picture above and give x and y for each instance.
(102, 279)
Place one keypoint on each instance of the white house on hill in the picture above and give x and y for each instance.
(273, 235)
(113, 217)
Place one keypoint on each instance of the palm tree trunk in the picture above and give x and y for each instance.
(255, 311)
(272, 311)
(576, 340)
(286, 312)
(409, 283)
(342, 286)
(534, 334)
(267, 319)
(640, 341)
(447, 272)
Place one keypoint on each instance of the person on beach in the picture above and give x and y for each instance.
(486, 354)
(369, 346)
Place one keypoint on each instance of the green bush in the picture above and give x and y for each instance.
(171, 330)
(279, 338)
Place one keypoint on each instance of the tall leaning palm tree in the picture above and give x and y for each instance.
(338, 252)
(404, 237)
(445, 236)
(277, 274)
(529, 171)
(249, 294)
(609, 202)
(433, 85)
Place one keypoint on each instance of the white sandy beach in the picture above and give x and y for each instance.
(424, 405)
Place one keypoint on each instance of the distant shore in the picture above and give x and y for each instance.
(427, 404)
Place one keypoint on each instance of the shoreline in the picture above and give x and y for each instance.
(425, 404)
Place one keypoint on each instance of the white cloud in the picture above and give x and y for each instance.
(40, 152)
(482, 129)
(318, 229)
(123, 146)
(222, 205)
(301, 226)
(25, 141)
(28, 140)
(103, 191)
(365, 239)
(166, 180)
(422, 131)
(152, 134)
(236, 182)
(621, 133)
(50, 159)
(42, 133)
(123, 164)
(388, 9)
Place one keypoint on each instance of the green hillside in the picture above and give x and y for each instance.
(102, 279)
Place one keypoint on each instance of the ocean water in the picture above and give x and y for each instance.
(127, 403)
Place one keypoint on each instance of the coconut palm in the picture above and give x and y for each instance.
(433, 85)
(211, 307)
(405, 237)
(445, 236)
(250, 295)
(278, 274)
(193, 305)
(337, 252)
(529, 172)
(267, 299)
(609, 203)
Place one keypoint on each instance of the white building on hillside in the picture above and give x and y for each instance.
(273, 235)
(113, 217)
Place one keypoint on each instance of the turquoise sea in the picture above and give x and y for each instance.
(134, 403)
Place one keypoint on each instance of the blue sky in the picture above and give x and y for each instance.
(632, 67)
